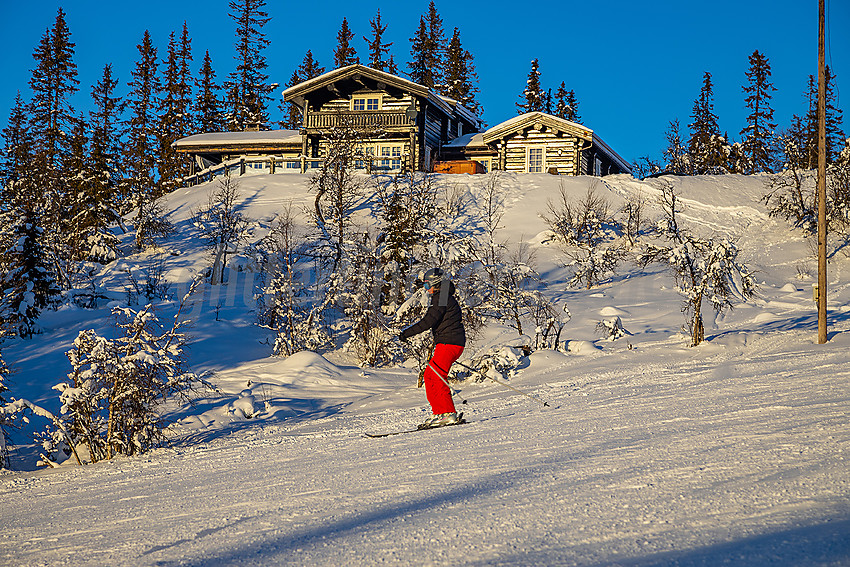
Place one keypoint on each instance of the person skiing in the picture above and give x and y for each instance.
(444, 319)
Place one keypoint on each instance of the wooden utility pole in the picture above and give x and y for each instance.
(822, 331)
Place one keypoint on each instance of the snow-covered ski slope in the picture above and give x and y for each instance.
(652, 453)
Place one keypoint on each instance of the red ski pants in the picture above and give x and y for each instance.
(438, 392)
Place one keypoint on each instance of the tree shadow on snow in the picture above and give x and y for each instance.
(320, 532)
(820, 544)
(805, 322)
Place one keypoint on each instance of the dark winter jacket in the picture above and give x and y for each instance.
(443, 317)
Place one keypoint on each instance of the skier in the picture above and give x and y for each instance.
(444, 319)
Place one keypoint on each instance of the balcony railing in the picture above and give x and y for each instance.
(259, 165)
(359, 119)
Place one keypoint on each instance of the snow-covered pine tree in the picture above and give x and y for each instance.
(408, 207)
(185, 86)
(104, 150)
(51, 115)
(419, 72)
(247, 87)
(174, 111)
(757, 135)
(378, 50)
(289, 110)
(461, 79)
(290, 308)
(705, 146)
(140, 148)
(805, 129)
(28, 282)
(572, 106)
(704, 269)
(139, 155)
(532, 98)
(208, 113)
(344, 53)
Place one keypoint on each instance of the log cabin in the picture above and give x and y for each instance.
(401, 126)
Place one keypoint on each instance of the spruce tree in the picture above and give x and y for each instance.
(704, 145)
(308, 69)
(185, 85)
(566, 104)
(247, 88)
(140, 148)
(170, 120)
(532, 98)
(175, 110)
(377, 48)
(461, 79)
(757, 135)
(105, 199)
(53, 83)
(437, 46)
(28, 281)
(420, 73)
(427, 51)
(208, 114)
(344, 53)
(16, 155)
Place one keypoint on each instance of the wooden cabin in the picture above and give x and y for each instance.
(538, 143)
(403, 124)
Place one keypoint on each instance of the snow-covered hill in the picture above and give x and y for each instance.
(651, 452)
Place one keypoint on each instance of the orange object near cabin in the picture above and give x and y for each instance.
(458, 166)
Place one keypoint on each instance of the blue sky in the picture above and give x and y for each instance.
(634, 66)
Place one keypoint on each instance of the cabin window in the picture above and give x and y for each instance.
(390, 157)
(366, 103)
(535, 160)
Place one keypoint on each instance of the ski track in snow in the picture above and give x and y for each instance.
(652, 453)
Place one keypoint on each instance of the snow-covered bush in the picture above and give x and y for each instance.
(703, 268)
(116, 386)
(499, 362)
(612, 328)
(589, 233)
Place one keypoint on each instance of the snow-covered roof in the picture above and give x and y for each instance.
(467, 140)
(215, 139)
(518, 122)
(351, 70)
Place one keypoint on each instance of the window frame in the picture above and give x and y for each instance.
(528, 166)
(365, 100)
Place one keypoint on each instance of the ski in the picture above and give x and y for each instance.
(376, 435)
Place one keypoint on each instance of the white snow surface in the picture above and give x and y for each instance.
(650, 452)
